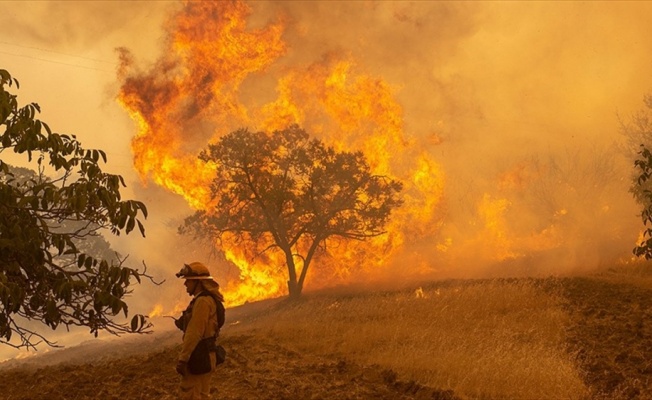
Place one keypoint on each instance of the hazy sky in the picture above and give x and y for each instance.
(495, 84)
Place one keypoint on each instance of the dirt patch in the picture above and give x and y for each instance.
(611, 335)
(265, 370)
(255, 369)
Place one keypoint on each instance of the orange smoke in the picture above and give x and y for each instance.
(196, 93)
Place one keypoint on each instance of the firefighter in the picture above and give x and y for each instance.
(200, 323)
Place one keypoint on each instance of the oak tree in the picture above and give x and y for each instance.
(289, 192)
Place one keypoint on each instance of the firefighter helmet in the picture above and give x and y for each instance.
(195, 270)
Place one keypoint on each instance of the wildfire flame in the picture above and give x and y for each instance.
(205, 86)
(195, 94)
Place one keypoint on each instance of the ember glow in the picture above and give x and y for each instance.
(216, 74)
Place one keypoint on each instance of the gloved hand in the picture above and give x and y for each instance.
(182, 367)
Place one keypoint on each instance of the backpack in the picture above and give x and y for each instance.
(221, 311)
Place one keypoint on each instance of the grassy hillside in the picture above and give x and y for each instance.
(575, 338)
(482, 339)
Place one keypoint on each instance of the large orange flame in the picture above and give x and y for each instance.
(200, 89)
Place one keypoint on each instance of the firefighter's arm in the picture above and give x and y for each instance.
(196, 327)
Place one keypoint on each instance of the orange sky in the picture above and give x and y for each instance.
(491, 90)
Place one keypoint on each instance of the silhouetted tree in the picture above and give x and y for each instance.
(644, 195)
(637, 131)
(45, 221)
(289, 192)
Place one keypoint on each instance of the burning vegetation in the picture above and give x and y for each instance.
(288, 192)
(217, 75)
(198, 92)
(459, 178)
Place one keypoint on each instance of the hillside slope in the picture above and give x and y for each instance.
(256, 368)
(608, 334)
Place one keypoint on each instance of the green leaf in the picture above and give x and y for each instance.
(61, 245)
(141, 228)
(5, 77)
(47, 128)
(141, 206)
(131, 223)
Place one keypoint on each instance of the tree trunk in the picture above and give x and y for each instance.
(306, 262)
(294, 289)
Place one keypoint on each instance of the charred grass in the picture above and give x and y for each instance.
(573, 338)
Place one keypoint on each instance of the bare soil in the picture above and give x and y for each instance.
(256, 368)
(611, 336)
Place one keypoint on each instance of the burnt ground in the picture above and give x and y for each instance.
(256, 368)
(611, 336)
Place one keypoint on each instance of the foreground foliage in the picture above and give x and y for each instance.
(44, 222)
(637, 131)
(643, 193)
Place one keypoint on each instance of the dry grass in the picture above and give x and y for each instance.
(486, 339)
(500, 339)
(635, 272)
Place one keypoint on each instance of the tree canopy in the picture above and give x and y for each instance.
(46, 222)
(288, 192)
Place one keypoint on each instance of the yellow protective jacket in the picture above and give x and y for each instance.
(202, 324)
